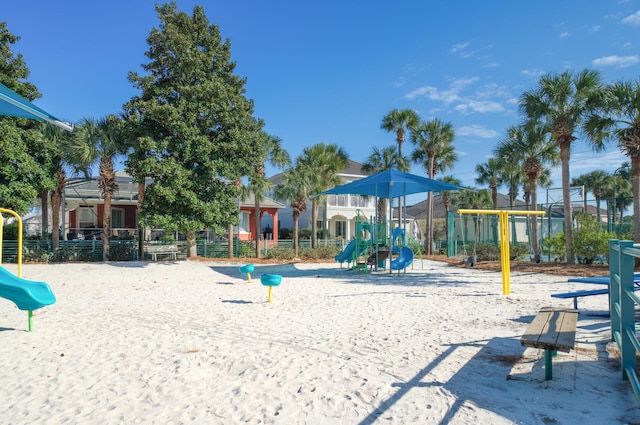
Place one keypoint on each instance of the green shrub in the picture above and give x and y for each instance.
(590, 240)
(491, 252)
(10, 232)
(320, 253)
(62, 255)
(122, 252)
(281, 253)
(34, 253)
(555, 246)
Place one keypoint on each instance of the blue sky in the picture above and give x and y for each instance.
(329, 71)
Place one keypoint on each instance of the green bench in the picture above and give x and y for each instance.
(553, 329)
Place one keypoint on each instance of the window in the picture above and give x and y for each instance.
(117, 218)
(244, 222)
(341, 227)
(337, 200)
(359, 201)
(86, 216)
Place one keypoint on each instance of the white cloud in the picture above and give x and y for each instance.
(617, 61)
(534, 73)
(564, 34)
(477, 131)
(633, 19)
(457, 47)
(479, 106)
(447, 96)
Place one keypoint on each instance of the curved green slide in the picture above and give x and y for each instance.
(26, 294)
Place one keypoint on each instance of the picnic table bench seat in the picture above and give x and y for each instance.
(577, 294)
(552, 329)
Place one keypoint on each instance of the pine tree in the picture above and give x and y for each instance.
(194, 126)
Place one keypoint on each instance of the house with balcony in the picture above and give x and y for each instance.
(84, 207)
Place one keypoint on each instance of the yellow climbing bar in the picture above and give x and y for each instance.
(505, 262)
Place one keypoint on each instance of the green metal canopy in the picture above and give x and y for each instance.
(12, 104)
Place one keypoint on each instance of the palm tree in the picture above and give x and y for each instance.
(431, 138)
(101, 141)
(295, 189)
(475, 200)
(594, 182)
(563, 101)
(620, 120)
(63, 157)
(529, 146)
(445, 160)
(268, 149)
(489, 173)
(399, 121)
(323, 162)
(378, 161)
(446, 199)
(510, 174)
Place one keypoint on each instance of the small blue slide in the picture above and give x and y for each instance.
(403, 260)
(26, 294)
(347, 254)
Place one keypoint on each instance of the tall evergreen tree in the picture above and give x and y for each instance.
(197, 124)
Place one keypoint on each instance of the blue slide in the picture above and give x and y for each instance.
(26, 294)
(347, 254)
(403, 260)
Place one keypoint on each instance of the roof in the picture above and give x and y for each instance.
(353, 169)
(419, 210)
(86, 191)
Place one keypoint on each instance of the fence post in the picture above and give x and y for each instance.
(614, 288)
(627, 310)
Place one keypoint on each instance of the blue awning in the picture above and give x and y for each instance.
(14, 105)
(391, 184)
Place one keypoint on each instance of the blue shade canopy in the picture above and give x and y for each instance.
(14, 105)
(391, 184)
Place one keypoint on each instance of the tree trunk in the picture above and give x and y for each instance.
(192, 248)
(534, 221)
(141, 189)
(106, 226)
(430, 208)
(314, 224)
(56, 207)
(56, 201)
(635, 172)
(44, 216)
(429, 223)
(295, 234)
(257, 225)
(230, 248)
(566, 200)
